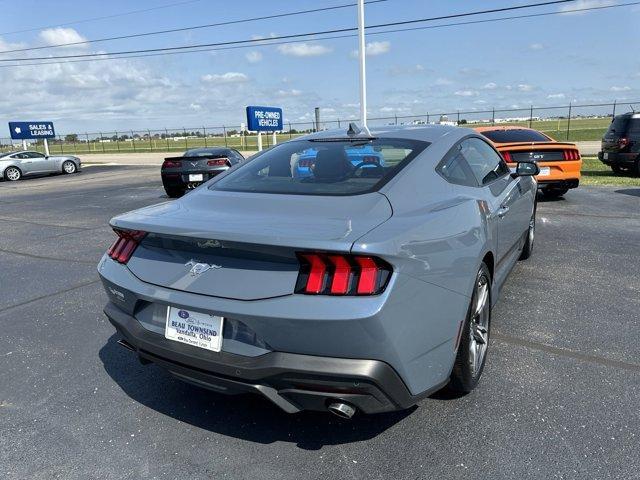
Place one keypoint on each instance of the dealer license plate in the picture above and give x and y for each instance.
(198, 329)
(195, 177)
(606, 156)
(545, 171)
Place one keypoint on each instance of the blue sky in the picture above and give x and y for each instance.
(582, 58)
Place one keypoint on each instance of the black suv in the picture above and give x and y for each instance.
(621, 144)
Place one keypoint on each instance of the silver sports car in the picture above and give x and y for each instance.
(352, 287)
(15, 165)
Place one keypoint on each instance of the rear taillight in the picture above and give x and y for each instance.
(218, 162)
(507, 157)
(623, 142)
(172, 164)
(336, 274)
(125, 244)
(571, 154)
(370, 159)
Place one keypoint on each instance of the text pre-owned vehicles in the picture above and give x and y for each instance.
(356, 288)
(15, 165)
(196, 166)
(621, 144)
(560, 162)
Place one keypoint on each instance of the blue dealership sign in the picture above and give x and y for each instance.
(264, 119)
(31, 130)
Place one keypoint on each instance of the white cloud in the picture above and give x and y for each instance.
(229, 77)
(289, 93)
(466, 93)
(536, 46)
(585, 4)
(253, 56)
(480, 102)
(303, 49)
(490, 86)
(195, 107)
(59, 35)
(374, 48)
(443, 81)
(409, 70)
(556, 95)
(523, 87)
(620, 89)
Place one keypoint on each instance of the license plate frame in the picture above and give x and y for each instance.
(544, 171)
(196, 177)
(200, 330)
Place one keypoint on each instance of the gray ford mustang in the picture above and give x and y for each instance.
(15, 165)
(352, 287)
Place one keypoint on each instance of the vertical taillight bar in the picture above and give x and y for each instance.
(124, 246)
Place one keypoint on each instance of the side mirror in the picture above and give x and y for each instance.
(527, 169)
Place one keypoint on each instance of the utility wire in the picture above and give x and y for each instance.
(196, 27)
(286, 37)
(266, 41)
(115, 15)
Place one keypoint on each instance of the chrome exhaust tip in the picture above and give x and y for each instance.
(123, 343)
(342, 410)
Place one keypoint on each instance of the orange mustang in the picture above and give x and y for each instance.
(559, 163)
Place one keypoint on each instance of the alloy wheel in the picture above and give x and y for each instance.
(479, 325)
(12, 174)
(69, 167)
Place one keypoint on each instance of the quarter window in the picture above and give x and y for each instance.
(454, 168)
(484, 162)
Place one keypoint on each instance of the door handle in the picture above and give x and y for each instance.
(502, 211)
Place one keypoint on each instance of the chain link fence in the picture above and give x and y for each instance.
(568, 122)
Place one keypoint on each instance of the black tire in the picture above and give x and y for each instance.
(69, 167)
(527, 250)
(466, 373)
(13, 174)
(174, 192)
(618, 169)
(555, 192)
(636, 167)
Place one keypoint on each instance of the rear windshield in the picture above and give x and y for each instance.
(201, 152)
(515, 136)
(334, 167)
(618, 125)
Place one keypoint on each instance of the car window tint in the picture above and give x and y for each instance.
(454, 168)
(485, 163)
(634, 127)
(323, 166)
(34, 155)
(618, 125)
(515, 135)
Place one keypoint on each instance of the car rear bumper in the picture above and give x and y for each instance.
(181, 179)
(291, 381)
(616, 158)
(568, 183)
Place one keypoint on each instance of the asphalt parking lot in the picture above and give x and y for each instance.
(559, 396)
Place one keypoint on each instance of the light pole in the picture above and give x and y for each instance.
(363, 72)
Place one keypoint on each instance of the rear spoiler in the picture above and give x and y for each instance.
(199, 157)
(538, 144)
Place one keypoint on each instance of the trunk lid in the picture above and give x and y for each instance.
(243, 245)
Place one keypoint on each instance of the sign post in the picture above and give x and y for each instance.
(363, 71)
(32, 131)
(264, 119)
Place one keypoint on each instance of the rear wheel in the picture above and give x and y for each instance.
(618, 169)
(174, 192)
(69, 167)
(636, 167)
(474, 340)
(555, 192)
(13, 174)
(531, 233)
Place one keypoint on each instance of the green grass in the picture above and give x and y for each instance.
(594, 172)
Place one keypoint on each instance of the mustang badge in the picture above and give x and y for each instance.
(198, 268)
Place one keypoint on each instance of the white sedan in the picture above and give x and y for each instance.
(15, 165)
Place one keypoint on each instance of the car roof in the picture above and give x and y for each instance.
(427, 133)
